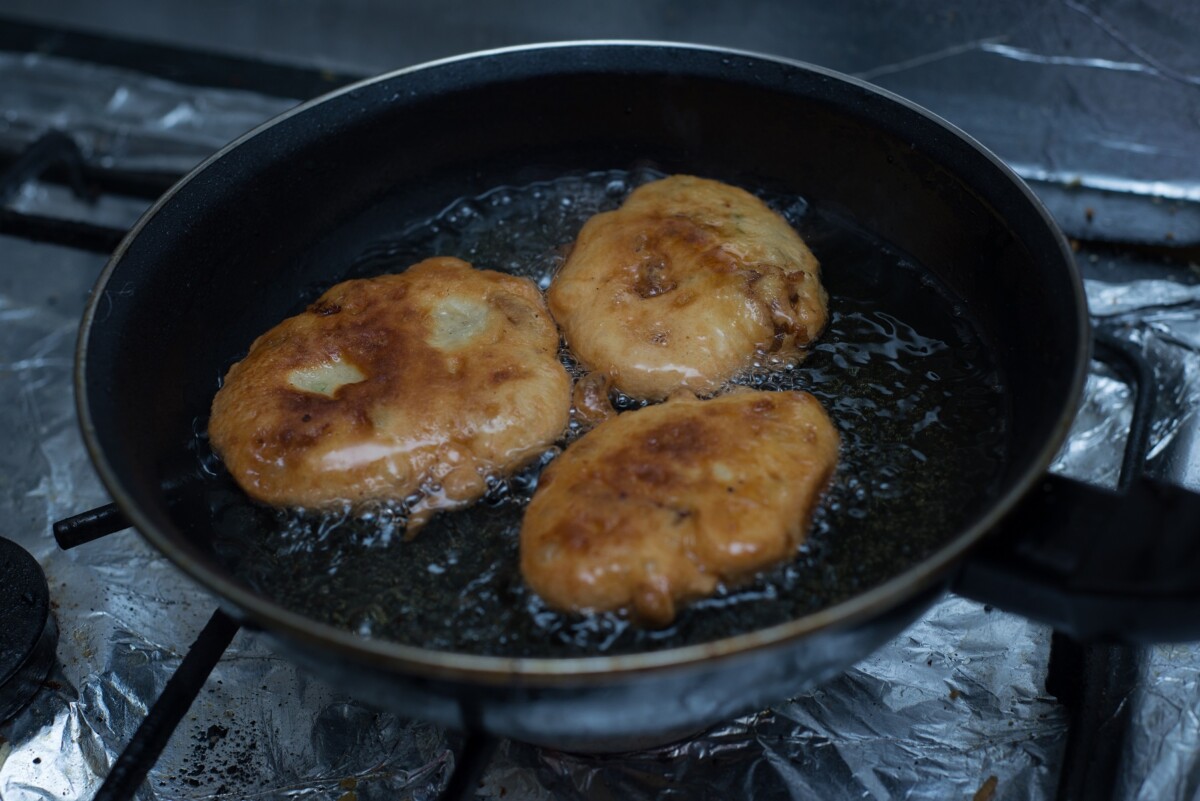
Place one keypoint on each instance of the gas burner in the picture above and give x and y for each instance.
(28, 634)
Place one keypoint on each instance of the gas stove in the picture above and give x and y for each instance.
(116, 647)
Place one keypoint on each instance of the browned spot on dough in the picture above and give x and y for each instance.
(684, 298)
(677, 439)
(780, 336)
(653, 602)
(506, 373)
(574, 535)
(763, 405)
(324, 308)
(650, 473)
(652, 279)
(589, 400)
(514, 309)
(295, 438)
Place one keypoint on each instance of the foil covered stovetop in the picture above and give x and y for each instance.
(955, 707)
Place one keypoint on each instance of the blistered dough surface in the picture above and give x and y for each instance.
(657, 506)
(686, 285)
(425, 381)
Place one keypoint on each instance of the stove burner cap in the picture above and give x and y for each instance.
(27, 634)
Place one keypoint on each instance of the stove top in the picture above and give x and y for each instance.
(27, 634)
(958, 706)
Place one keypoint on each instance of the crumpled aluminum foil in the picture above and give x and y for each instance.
(1091, 101)
(950, 704)
(955, 707)
(121, 117)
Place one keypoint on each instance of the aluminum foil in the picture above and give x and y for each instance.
(955, 707)
(1092, 101)
(952, 706)
(123, 118)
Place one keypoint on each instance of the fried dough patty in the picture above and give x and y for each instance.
(684, 285)
(658, 505)
(431, 379)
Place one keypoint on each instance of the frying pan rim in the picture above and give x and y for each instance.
(446, 665)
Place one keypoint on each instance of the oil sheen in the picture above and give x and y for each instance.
(905, 375)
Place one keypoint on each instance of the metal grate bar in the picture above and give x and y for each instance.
(131, 767)
(87, 526)
(52, 150)
(1094, 680)
(1124, 357)
(70, 233)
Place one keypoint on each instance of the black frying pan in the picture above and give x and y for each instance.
(238, 243)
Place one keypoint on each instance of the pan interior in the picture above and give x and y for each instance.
(920, 404)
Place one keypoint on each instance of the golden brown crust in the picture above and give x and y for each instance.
(684, 285)
(658, 505)
(590, 404)
(440, 375)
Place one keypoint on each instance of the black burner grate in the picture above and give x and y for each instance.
(57, 154)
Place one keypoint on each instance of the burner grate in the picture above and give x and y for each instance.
(55, 151)
(140, 754)
(28, 633)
